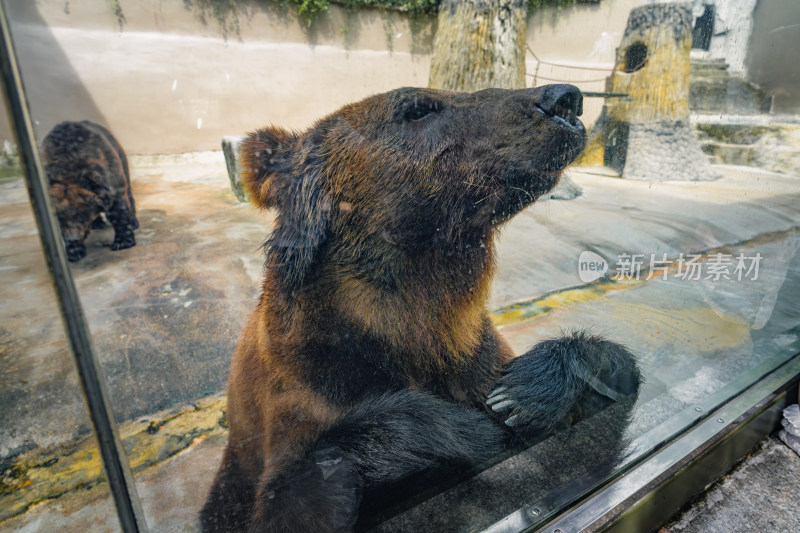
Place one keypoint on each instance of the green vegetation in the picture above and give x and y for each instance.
(10, 168)
(310, 9)
(736, 133)
(224, 11)
(10, 174)
(118, 14)
(533, 5)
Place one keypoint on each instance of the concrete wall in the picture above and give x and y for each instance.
(772, 59)
(585, 36)
(168, 81)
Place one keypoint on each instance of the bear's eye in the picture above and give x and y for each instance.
(420, 109)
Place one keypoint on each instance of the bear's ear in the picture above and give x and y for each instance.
(266, 154)
(283, 171)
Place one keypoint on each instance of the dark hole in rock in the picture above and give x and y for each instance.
(635, 57)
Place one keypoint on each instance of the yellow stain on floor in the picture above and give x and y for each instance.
(690, 329)
(519, 312)
(45, 474)
(523, 311)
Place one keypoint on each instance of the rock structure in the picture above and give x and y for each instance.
(648, 135)
(764, 142)
(230, 147)
(713, 90)
(731, 31)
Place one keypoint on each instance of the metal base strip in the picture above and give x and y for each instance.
(548, 508)
(649, 494)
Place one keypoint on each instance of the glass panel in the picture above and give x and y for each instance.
(51, 474)
(674, 233)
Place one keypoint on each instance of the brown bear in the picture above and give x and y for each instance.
(88, 174)
(371, 356)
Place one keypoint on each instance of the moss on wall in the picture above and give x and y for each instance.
(224, 11)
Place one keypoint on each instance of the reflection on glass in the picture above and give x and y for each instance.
(675, 233)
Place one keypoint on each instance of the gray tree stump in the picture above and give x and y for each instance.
(648, 136)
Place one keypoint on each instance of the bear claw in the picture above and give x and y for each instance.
(496, 391)
(496, 399)
(504, 405)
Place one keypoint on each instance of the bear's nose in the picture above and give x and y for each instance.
(564, 101)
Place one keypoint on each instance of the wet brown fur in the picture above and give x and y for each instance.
(88, 174)
(389, 283)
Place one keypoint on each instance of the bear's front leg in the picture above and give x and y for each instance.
(230, 503)
(76, 250)
(320, 492)
(381, 441)
(560, 379)
(124, 223)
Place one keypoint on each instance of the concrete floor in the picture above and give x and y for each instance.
(165, 315)
(759, 495)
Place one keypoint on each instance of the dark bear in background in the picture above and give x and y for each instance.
(370, 355)
(88, 174)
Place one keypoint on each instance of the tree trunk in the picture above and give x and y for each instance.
(479, 44)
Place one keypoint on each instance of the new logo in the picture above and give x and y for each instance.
(591, 266)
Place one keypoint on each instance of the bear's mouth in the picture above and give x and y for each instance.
(565, 107)
(565, 115)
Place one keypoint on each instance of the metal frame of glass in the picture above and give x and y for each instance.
(115, 461)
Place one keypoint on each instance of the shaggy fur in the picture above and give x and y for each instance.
(370, 354)
(88, 174)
